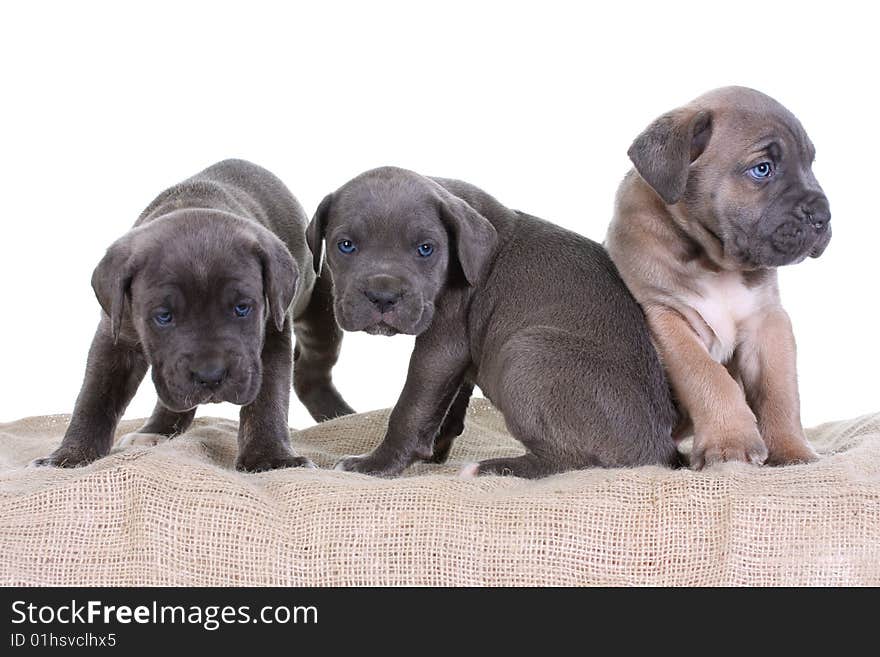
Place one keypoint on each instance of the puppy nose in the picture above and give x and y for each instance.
(209, 376)
(816, 212)
(383, 300)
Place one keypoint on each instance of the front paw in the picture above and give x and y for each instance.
(67, 457)
(138, 439)
(262, 462)
(793, 451)
(744, 445)
(366, 464)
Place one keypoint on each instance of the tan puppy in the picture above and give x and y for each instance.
(722, 194)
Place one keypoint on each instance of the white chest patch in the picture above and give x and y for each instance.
(725, 303)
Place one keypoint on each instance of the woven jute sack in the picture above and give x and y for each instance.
(179, 514)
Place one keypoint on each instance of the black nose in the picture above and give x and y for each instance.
(209, 376)
(815, 211)
(383, 300)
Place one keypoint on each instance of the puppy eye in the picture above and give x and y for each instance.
(242, 309)
(163, 318)
(425, 250)
(761, 171)
(346, 246)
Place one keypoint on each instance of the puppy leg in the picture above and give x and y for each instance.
(437, 369)
(725, 429)
(318, 340)
(163, 425)
(766, 361)
(574, 405)
(263, 434)
(113, 373)
(453, 424)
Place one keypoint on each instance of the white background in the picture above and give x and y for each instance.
(105, 104)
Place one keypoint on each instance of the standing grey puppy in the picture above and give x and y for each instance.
(204, 289)
(537, 316)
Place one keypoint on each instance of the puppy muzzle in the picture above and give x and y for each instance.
(411, 317)
(785, 236)
(383, 306)
(186, 384)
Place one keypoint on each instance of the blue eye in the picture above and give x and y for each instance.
(163, 318)
(425, 250)
(242, 309)
(761, 171)
(346, 246)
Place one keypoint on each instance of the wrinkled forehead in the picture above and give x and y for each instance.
(199, 268)
(747, 120)
(384, 206)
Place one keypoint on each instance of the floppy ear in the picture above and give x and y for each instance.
(473, 237)
(111, 281)
(280, 276)
(315, 232)
(663, 153)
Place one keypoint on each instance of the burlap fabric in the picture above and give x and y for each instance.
(178, 514)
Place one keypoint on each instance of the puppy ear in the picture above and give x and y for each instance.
(280, 276)
(663, 153)
(315, 232)
(111, 281)
(474, 239)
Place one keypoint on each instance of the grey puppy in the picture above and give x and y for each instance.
(723, 193)
(535, 315)
(204, 290)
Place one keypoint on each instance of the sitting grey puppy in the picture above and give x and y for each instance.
(537, 316)
(204, 290)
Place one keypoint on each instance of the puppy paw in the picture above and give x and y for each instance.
(265, 462)
(469, 471)
(365, 464)
(66, 458)
(348, 463)
(744, 445)
(791, 452)
(138, 439)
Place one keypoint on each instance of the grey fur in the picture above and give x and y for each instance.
(230, 235)
(537, 316)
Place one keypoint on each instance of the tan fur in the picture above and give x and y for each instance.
(722, 334)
